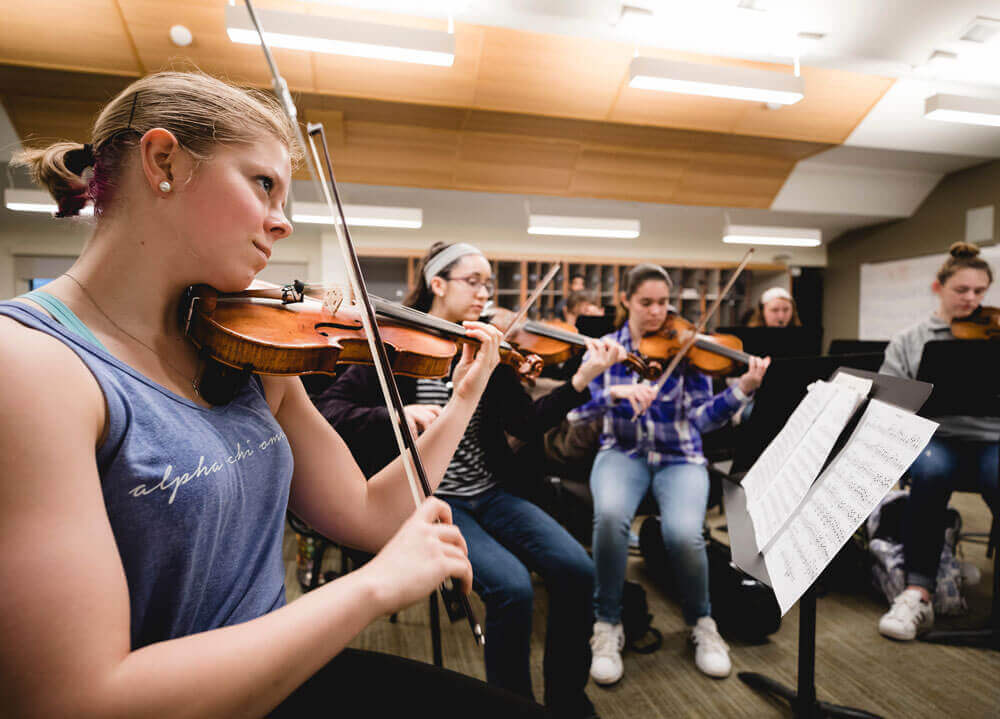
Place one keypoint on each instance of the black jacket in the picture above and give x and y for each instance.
(353, 405)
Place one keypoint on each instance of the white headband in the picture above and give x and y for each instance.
(445, 257)
(775, 293)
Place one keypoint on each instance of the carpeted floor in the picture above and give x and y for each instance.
(855, 666)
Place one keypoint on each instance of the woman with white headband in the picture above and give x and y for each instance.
(775, 309)
(508, 537)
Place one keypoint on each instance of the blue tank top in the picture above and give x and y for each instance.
(196, 496)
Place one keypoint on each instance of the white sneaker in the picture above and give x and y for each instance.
(909, 616)
(711, 653)
(606, 645)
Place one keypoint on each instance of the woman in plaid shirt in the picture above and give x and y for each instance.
(661, 449)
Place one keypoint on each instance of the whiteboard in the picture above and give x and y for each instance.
(897, 294)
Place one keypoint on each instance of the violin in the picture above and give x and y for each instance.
(553, 341)
(713, 354)
(983, 324)
(283, 331)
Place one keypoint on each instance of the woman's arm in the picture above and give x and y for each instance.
(329, 491)
(64, 610)
(707, 412)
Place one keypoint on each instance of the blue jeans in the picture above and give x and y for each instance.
(509, 537)
(946, 465)
(618, 483)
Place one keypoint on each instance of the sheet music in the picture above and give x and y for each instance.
(881, 448)
(771, 460)
(783, 494)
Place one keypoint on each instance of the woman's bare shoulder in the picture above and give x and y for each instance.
(43, 375)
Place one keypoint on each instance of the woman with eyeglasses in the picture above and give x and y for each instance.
(508, 537)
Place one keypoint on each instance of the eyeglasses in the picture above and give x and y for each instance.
(475, 282)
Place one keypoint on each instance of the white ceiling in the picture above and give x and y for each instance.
(891, 160)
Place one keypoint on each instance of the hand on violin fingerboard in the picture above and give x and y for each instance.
(601, 354)
(477, 364)
(752, 378)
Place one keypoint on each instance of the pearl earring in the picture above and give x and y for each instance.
(165, 186)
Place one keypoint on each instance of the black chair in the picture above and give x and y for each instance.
(352, 559)
(973, 390)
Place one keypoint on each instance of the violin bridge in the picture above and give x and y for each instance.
(333, 298)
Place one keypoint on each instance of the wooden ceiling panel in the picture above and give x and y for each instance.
(212, 51)
(732, 182)
(502, 163)
(82, 35)
(404, 81)
(835, 102)
(549, 74)
(670, 109)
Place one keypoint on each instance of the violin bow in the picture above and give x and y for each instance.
(702, 323)
(535, 294)
(455, 601)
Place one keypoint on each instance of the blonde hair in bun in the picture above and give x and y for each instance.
(963, 255)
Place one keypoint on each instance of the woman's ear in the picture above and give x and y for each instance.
(936, 287)
(437, 286)
(159, 151)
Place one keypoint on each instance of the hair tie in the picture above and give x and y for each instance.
(76, 161)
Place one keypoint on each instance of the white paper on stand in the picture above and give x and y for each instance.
(800, 456)
(774, 456)
(881, 448)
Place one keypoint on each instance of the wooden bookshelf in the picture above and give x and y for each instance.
(695, 285)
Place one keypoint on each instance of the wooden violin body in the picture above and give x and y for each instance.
(714, 354)
(553, 341)
(263, 332)
(983, 324)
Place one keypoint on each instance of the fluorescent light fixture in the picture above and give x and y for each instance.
(982, 30)
(756, 235)
(582, 226)
(317, 33)
(407, 218)
(35, 201)
(957, 108)
(735, 83)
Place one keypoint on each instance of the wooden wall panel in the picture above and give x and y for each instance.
(83, 35)
(505, 163)
(39, 123)
(387, 143)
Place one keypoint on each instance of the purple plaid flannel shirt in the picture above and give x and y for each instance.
(670, 430)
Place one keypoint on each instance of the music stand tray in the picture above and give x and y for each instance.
(906, 394)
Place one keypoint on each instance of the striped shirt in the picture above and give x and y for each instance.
(670, 430)
(467, 474)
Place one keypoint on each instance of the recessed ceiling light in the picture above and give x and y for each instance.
(982, 30)
(180, 36)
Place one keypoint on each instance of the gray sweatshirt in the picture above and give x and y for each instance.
(902, 359)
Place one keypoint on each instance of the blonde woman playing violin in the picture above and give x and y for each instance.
(142, 529)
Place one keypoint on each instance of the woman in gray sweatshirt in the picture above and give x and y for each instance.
(961, 455)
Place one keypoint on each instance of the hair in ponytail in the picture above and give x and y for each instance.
(963, 255)
(201, 111)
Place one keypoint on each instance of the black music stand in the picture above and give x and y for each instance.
(906, 394)
(778, 341)
(974, 391)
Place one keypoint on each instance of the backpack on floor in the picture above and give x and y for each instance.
(743, 607)
(640, 635)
